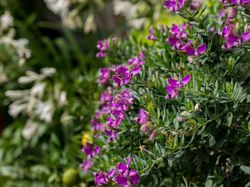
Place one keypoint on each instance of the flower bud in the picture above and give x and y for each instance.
(181, 119)
(145, 129)
(195, 5)
(232, 13)
(197, 107)
(185, 114)
(153, 135)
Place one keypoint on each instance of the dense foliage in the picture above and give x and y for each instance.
(48, 83)
(174, 110)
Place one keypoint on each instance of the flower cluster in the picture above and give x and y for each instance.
(231, 38)
(178, 40)
(122, 174)
(91, 151)
(112, 109)
(124, 73)
(174, 5)
(104, 76)
(236, 2)
(173, 86)
(102, 46)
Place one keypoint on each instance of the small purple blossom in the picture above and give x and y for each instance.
(91, 150)
(112, 135)
(100, 54)
(230, 38)
(122, 75)
(151, 35)
(86, 165)
(101, 178)
(102, 46)
(135, 64)
(173, 86)
(104, 76)
(125, 176)
(245, 37)
(236, 2)
(178, 40)
(113, 123)
(174, 5)
(96, 125)
(201, 49)
(142, 117)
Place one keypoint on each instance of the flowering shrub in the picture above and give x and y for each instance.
(174, 110)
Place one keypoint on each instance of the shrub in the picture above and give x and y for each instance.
(174, 110)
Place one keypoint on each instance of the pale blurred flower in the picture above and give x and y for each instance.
(6, 21)
(48, 71)
(38, 89)
(30, 129)
(45, 110)
(60, 7)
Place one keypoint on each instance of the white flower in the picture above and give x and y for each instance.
(62, 100)
(16, 94)
(60, 7)
(29, 129)
(38, 89)
(45, 110)
(6, 20)
(47, 72)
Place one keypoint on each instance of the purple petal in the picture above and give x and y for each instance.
(245, 37)
(121, 180)
(186, 80)
(201, 49)
(134, 177)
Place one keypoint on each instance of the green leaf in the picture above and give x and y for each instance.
(246, 169)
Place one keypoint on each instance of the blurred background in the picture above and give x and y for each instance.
(48, 75)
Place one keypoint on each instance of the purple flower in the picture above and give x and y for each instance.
(113, 123)
(135, 64)
(90, 150)
(245, 37)
(173, 86)
(112, 135)
(236, 2)
(86, 165)
(101, 178)
(104, 76)
(100, 54)
(96, 126)
(141, 56)
(174, 5)
(142, 117)
(201, 49)
(126, 176)
(151, 35)
(102, 46)
(231, 40)
(185, 80)
(122, 75)
(172, 92)
(188, 49)
(106, 96)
